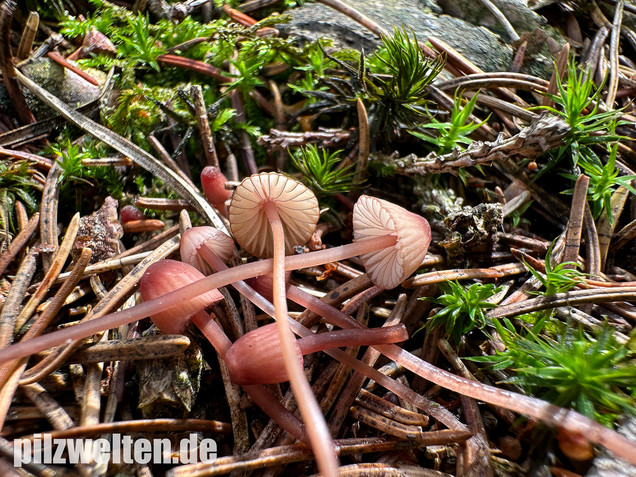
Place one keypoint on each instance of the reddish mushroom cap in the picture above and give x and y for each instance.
(297, 207)
(168, 275)
(213, 184)
(129, 213)
(256, 358)
(192, 239)
(374, 218)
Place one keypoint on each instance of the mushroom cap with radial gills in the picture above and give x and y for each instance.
(373, 218)
(205, 236)
(296, 205)
(168, 275)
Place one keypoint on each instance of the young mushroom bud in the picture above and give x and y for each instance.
(168, 275)
(374, 218)
(255, 358)
(213, 184)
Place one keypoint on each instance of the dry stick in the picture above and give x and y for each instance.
(364, 144)
(593, 251)
(575, 297)
(317, 429)
(54, 413)
(624, 237)
(165, 157)
(390, 410)
(575, 224)
(28, 35)
(591, 60)
(158, 346)
(466, 66)
(60, 60)
(455, 274)
(143, 426)
(279, 117)
(476, 447)
(204, 126)
(20, 241)
(17, 292)
(606, 226)
(493, 80)
(56, 267)
(501, 18)
(249, 162)
(355, 15)
(517, 59)
(277, 456)
(129, 149)
(612, 84)
(48, 215)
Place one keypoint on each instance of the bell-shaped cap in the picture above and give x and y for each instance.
(373, 218)
(256, 358)
(193, 239)
(168, 275)
(297, 207)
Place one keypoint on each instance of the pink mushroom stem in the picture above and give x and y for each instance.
(319, 434)
(549, 413)
(177, 297)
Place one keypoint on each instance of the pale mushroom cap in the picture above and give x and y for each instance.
(169, 275)
(373, 218)
(196, 237)
(297, 207)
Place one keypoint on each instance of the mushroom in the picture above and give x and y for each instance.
(134, 221)
(374, 218)
(167, 275)
(537, 408)
(256, 358)
(269, 214)
(213, 184)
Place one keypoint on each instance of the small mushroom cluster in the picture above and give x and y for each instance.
(269, 215)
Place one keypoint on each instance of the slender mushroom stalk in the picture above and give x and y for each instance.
(167, 275)
(291, 210)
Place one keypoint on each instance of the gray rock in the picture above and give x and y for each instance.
(66, 85)
(516, 12)
(482, 47)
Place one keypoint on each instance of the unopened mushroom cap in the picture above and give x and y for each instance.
(192, 239)
(256, 358)
(168, 275)
(373, 218)
(297, 207)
